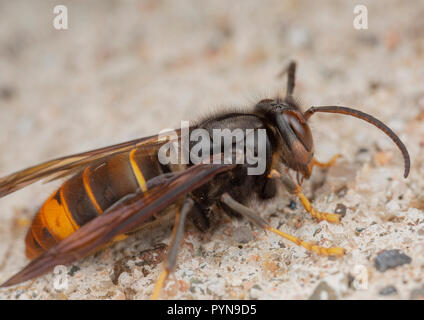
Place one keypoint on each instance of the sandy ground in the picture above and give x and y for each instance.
(128, 69)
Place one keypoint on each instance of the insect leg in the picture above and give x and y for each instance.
(328, 164)
(177, 237)
(269, 189)
(199, 216)
(296, 190)
(260, 222)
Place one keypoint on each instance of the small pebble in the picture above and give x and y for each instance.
(374, 85)
(255, 292)
(341, 209)
(317, 231)
(341, 192)
(389, 259)
(388, 291)
(243, 234)
(74, 269)
(323, 292)
(7, 93)
(417, 294)
(292, 205)
(359, 229)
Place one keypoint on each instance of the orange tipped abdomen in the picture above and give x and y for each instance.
(87, 195)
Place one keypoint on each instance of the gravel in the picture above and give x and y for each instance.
(390, 259)
(129, 69)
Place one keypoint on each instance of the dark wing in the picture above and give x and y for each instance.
(65, 166)
(120, 220)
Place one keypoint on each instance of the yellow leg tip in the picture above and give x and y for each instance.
(159, 284)
(329, 217)
(309, 246)
(337, 251)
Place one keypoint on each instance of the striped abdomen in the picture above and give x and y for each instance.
(87, 195)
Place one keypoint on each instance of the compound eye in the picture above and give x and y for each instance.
(301, 129)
